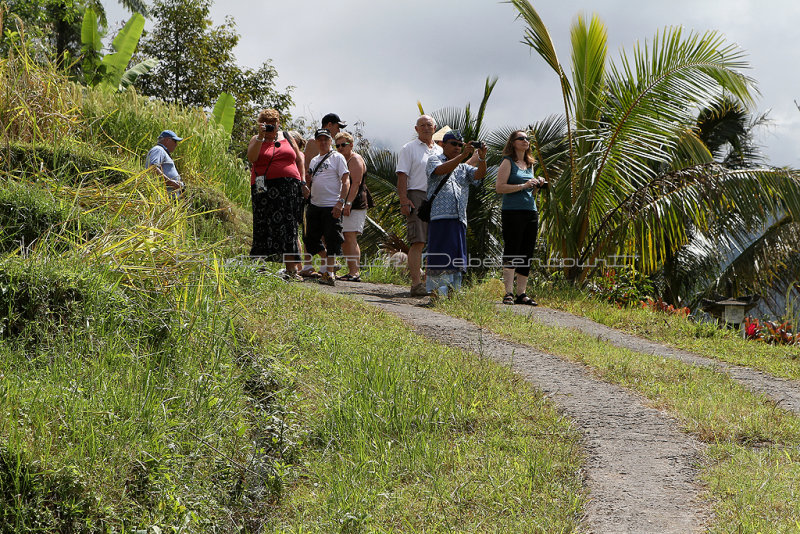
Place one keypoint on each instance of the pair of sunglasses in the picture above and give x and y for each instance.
(459, 144)
(520, 138)
(342, 145)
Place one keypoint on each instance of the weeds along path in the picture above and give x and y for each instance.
(640, 468)
(785, 393)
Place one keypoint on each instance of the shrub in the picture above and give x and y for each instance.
(30, 215)
(34, 501)
(660, 305)
(622, 287)
(771, 332)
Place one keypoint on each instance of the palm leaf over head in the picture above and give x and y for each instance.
(637, 178)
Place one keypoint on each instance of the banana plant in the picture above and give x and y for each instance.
(224, 112)
(109, 72)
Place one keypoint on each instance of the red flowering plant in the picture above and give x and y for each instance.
(660, 305)
(772, 332)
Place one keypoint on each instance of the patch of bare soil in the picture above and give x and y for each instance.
(640, 468)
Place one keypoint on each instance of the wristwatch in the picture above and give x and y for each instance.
(348, 203)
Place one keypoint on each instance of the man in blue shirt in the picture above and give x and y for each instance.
(159, 159)
(447, 230)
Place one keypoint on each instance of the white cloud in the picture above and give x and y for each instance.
(372, 60)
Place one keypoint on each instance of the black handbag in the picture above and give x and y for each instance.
(363, 198)
(424, 211)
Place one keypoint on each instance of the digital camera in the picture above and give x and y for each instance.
(269, 127)
(476, 144)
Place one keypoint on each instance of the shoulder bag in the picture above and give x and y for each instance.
(424, 211)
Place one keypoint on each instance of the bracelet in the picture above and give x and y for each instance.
(348, 203)
(260, 139)
(481, 159)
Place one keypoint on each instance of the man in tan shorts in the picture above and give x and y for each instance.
(412, 188)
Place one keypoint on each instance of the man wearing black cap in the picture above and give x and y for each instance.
(330, 181)
(159, 159)
(330, 122)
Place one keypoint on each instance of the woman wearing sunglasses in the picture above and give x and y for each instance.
(354, 212)
(520, 218)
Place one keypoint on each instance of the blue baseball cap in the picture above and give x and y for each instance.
(169, 133)
(452, 134)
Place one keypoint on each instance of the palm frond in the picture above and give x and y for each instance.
(536, 35)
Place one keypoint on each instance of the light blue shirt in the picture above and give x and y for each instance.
(451, 202)
(159, 157)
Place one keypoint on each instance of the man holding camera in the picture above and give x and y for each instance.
(449, 178)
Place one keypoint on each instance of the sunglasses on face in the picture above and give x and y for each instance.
(521, 138)
(459, 144)
(342, 145)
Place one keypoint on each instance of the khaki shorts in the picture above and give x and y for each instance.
(416, 229)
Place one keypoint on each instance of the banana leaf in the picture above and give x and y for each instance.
(125, 44)
(133, 73)
(224, 112)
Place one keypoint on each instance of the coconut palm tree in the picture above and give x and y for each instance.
(634, 178)
(738, 255)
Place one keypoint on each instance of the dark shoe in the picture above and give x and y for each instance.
(509, 298)
(419, 290)
(350, 278)
(327, 279)
(525, 299)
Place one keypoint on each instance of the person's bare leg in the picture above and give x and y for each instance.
(352, 252)
(508, 280)
(415, 263)
(522, 283)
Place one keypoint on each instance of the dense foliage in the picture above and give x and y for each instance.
(197, 64)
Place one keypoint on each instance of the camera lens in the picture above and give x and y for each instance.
(269, 127)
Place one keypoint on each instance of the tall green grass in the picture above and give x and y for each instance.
(149, 381)
(39, 106)
(407, 435)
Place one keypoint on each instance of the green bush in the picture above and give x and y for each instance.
(65, 163)
(623, 287)
(30, 215)
(32, 501)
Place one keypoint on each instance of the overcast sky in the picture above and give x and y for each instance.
(371, 60)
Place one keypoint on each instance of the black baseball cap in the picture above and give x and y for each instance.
(333, 117)
(322, 132)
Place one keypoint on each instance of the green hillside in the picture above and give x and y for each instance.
(153, 380)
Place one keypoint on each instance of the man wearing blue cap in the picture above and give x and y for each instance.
(159, 159)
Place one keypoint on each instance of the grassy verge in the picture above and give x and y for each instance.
(409, 435)
(741, 429)
(704, 339)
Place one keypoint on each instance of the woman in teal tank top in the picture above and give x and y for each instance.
(520, 218)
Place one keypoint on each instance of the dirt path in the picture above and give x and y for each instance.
(640, 469)
(786, 393)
